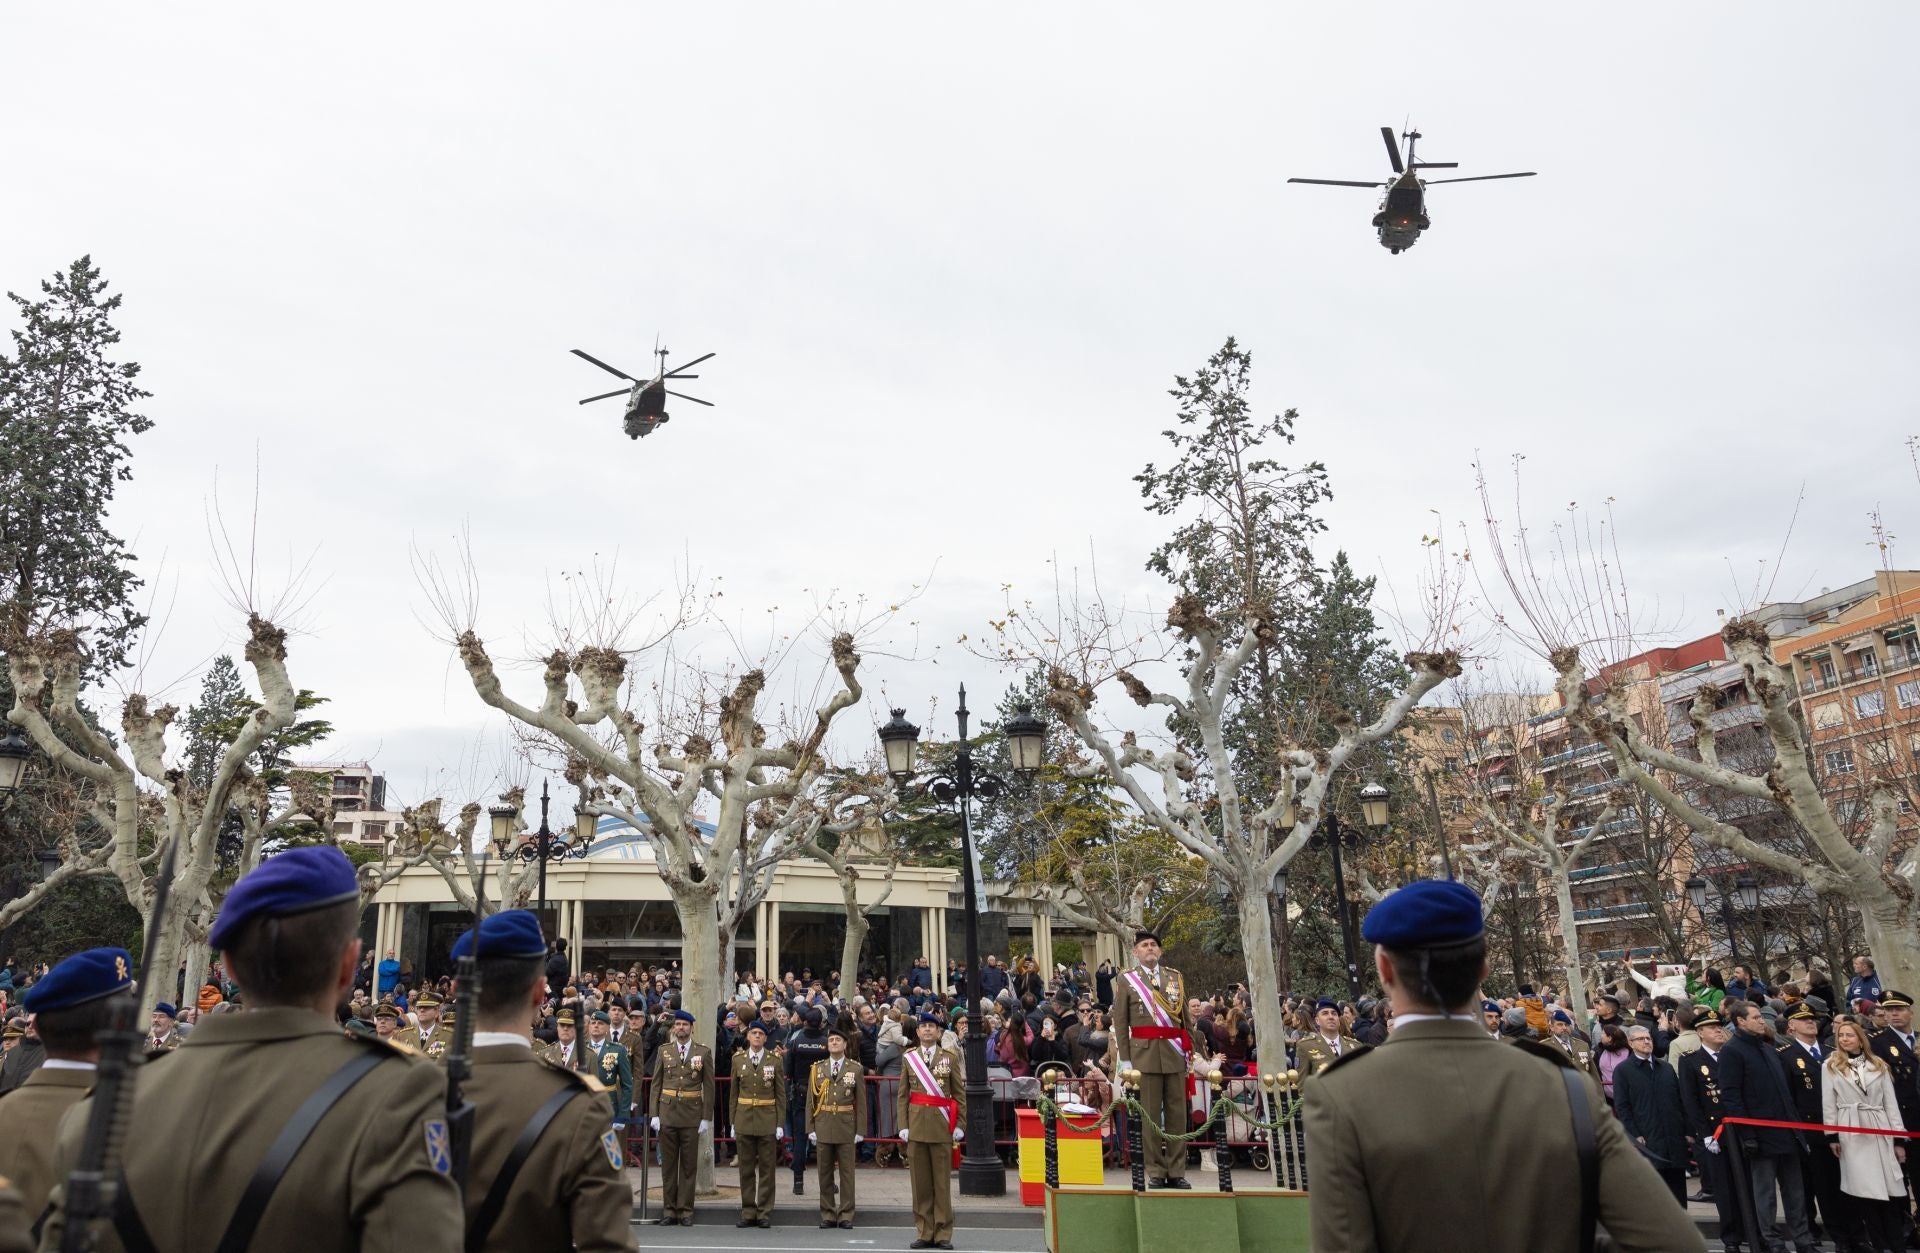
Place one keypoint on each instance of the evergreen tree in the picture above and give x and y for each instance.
(212, 719)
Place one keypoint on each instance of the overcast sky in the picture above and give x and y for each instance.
(950, 261)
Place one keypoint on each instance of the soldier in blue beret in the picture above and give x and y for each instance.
(1314, 1053)
(71, 1006)
(375, 1169)
(1410, 1138)
(569, 1191)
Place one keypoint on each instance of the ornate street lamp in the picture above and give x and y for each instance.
(981, 1171)
(14, 752)
(1374, 812)
(1746, 889)
(542, 846)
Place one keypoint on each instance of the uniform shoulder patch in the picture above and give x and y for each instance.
(439, 1147)
(1546, 1052)
(1346, 1058)
(611, 1143)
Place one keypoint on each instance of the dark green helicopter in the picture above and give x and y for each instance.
(1403, 210)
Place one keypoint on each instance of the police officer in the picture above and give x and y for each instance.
(612, 1065)
(1894, 1044)
(431, 1038)
(758, 1096)
(1819, 1168)
(932, 1115)
(1152, 1034)
(836, 1111)
(1317, 1052)
(566, 1188)
(70, 1006)
(682, 1108)
(1410, 1138)
(1700, 1099)
(375, 1170)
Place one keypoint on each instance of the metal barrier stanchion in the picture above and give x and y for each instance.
(1222, 1151)
(646, 1161)
(1136, 1129)
(1288, 1086)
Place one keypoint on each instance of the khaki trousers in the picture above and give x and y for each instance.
(1164, 1097)
(679, 1168)
(836, 1198)
(930, 1169)
(756, 1157)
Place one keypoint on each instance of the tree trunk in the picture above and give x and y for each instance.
(195, 973)
(850, 945)
(1893, 953)
(1570, 942)
(699, 995)
(1256, 943)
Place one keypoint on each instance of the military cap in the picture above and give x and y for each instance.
(1561, 1015)
(1896, 1000)
(1802, 1011)
(385, 1011)
(600, 1015)
(86, 976)
(836, 1030)
(681, 1015)
(1424, 914)
(509, 933)
(1489, 1007)
(1139, 936)
(564, 1018)
(1325, 1002)
(756, 1025)
(935, 1019)
(426, 1000)
(295, 882)
(1818, 1004)
(168, 1010)
(12, 1033)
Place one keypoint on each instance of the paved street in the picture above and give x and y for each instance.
(732, 1239)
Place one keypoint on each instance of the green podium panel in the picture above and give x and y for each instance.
(1119, 1220)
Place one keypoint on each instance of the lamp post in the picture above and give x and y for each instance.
(981, 1171)
(1373, 812)
(1745, 888)
(14, 752)
(540, 846)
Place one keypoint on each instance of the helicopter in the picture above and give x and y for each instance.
(646, 398)
(1403, 210)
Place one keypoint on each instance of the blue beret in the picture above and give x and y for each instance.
(84, 977)
(681, 1015)
(1423, 914)
(510, 933)
(754, 1025)
(168, 1010)
(298, 880)
(1489, 1007)
(935, 1019)
(1325, 1002)
(1562, 1015)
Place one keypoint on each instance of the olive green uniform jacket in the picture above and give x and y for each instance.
(31, 1114)
(926, 1123)
(374, 1174)
(16, 1225)
(572, 1192)
(837, 1109)
(1153, 1057)
(434, 1047)
(757, 1094)
(1420, 1143)
(682, 1093)
(1314, 1054)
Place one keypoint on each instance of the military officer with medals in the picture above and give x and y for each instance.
(757, 1093)
(431, 1037)
(70, 1005)
(1152, 1035)
(376, 1169)
(161, 1037)
(1314, 1053)
(1894, 1044)
(933, 1115)
(612, 1065)
(567, 1048)
(1700, 1101)
(1560, 1035)
(682, 1109)
(836, 1111)
(386, 1024)
(1408, 1139)
(567, 1189)
(1803, 1055)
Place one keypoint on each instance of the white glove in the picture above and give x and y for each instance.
(1121, 1068)
(1713, 1146)
(1074, 1107)
(779, 1133)
(959, 1134)
(813, 1137)
(704, 1124)
(859, 1139)
(655, 1124)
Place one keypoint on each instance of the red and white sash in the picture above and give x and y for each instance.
(1167, 1029)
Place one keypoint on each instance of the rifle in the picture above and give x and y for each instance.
(93, 1186)
(460, 1111)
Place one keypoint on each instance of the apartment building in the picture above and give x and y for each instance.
(360, 813)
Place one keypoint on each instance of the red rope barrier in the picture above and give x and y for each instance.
(1810, 1126)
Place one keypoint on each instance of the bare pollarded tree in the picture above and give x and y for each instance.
(479, 883)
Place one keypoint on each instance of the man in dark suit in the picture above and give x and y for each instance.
(1803, 1055)
(1753, 1084)
(1700, 1098)
(1646, 1095)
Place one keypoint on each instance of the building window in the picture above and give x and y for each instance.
(343, 828)
(1869, 704)
(1913, 743)
(1827, 673)
(1827, 715)
(1840, 761)
(1452, 765)
(1879, 752)
(1907, 694)
(380, 828)
(1906, 806)
(1456, 805)
(1869, 665)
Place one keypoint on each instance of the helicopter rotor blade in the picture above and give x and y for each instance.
(1393, 149)
(1334, 182)
(604, 396)
(1436, 165)
(603, 365)
(1480, 178)
(675, 372)
(695, 399)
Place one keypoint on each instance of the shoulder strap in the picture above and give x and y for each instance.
(292, 1137)
(496, 1198)
(1588, 1150)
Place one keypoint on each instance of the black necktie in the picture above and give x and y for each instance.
(1815, 1050)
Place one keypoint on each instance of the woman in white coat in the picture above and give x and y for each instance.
(1857, 1091)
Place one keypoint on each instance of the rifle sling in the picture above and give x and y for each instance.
(280, 1155)
(496, 1198)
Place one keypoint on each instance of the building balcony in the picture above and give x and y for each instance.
(1611, 913)
(1539, 720)
(1612, 828)
(1628, 954)
(1615, 870)
(1746, 715)
(1572, 755)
